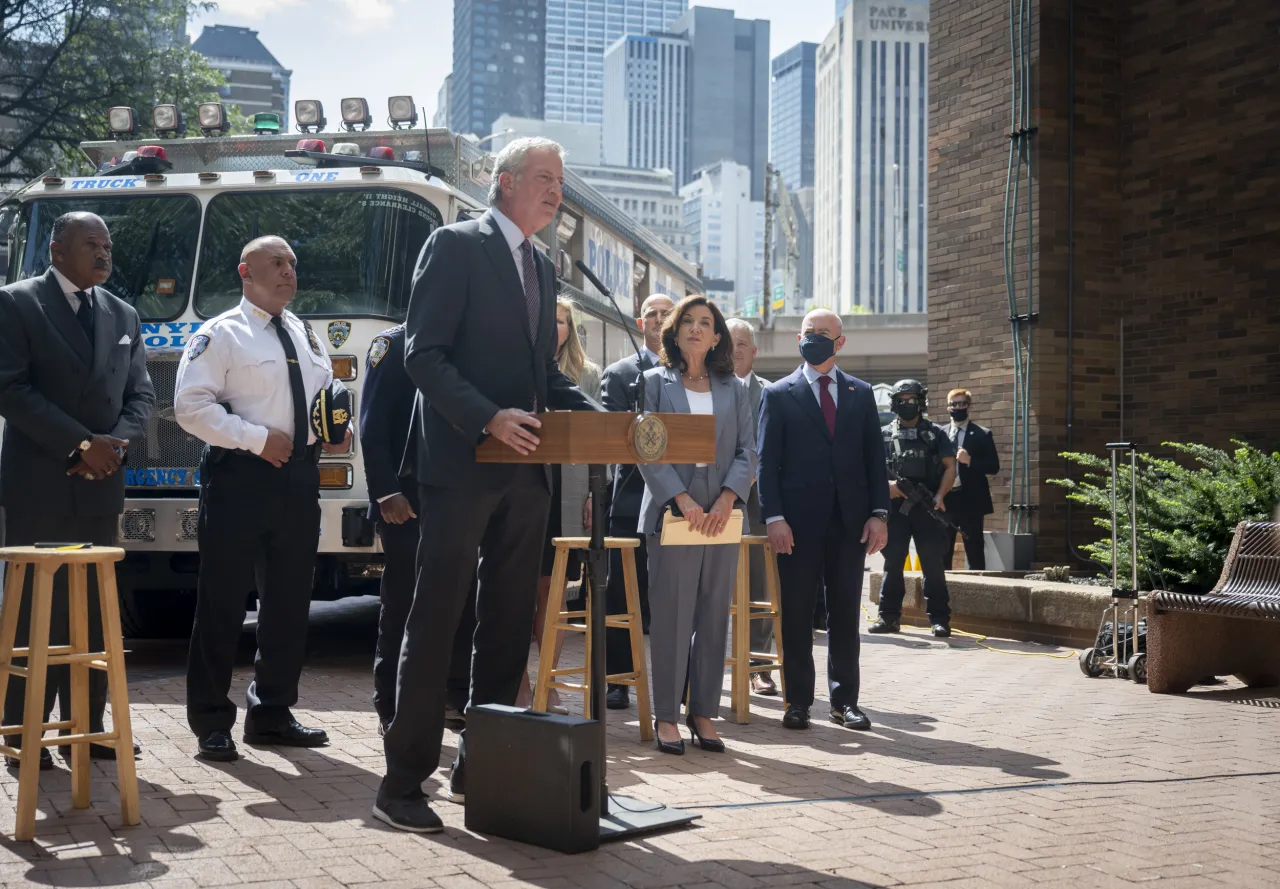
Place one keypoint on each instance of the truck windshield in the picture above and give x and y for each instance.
(356, 248)
(153, 246)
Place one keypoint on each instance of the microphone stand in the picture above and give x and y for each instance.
(627, 817)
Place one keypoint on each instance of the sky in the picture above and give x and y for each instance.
(381, 48)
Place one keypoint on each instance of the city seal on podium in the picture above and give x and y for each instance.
(649, 437)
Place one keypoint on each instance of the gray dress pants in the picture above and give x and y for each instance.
(690, 589)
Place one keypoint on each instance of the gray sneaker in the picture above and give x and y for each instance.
(413, 815)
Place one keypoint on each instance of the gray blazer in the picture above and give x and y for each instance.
(735, 463)
(55, 392)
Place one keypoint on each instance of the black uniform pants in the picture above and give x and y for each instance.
(400, 551)
(975, 548)
(931, 539)
(505, 528)
(832, 557)
(25, 529)
(259, 529)
(617, 642)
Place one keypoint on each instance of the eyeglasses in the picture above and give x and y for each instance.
(959, 404)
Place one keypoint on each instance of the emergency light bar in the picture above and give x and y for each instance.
(266, 123)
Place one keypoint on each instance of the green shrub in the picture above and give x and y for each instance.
(1186, 514)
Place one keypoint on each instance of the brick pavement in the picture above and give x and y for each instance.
(983, 770)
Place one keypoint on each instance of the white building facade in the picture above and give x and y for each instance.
(726, 235)
(870, 177)
(580, 141)
(578, 32)
(648, 196)
(646, 90)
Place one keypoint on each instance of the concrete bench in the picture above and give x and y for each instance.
(1234, 629)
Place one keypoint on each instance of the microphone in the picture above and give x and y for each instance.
(599, 285)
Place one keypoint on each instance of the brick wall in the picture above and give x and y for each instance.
(1177, 198)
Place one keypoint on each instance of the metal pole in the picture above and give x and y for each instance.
(596, 563)
(766, 297)
(1115, 550)
(1133, 520)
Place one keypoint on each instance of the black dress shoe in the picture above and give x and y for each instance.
(711, 745)
(796, 717)
(218, 746)
(291, 734)
(850, 717)
(413, 815)
(96, 751)
(675, 748)
(458, 782)
(942, 630)
(883, 626)
(46, 760)
(618, 697)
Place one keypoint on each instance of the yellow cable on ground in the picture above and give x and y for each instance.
(981, 641)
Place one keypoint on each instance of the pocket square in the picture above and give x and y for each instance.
(124, 340)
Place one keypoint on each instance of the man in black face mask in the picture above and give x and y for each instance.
(970, 499)
(919, 451)
(824, 495)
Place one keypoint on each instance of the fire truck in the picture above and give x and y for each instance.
(356, 205)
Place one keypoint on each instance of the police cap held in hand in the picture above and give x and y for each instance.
(331, 413)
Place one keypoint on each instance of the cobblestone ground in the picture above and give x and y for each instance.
(983, 770)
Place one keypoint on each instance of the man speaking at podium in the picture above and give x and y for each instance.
(481, 339)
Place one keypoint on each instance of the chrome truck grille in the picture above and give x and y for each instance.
(166, 457)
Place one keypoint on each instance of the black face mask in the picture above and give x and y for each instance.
(907, 411)
(959, 414)
(816, 348)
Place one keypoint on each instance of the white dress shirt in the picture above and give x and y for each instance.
(700, 403)
(515, 240)
(237, 359)
(811, 376)
(70, 290)
(651, 355)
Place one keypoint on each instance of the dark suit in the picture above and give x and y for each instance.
(57, 389)
(618, 393)
(386, 405)
(826, 488)
(970, 502)
(470, 353)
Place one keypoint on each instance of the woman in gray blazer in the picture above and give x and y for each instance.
(691, 587)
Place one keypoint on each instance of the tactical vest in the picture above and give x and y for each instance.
(912, 452)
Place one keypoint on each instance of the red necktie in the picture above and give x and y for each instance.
(828, 404)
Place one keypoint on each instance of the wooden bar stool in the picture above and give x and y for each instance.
(40, 656)
(561, 621)
(743, 611)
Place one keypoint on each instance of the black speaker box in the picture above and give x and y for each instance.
(533, 777)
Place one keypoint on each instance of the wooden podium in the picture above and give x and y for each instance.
(599, 438)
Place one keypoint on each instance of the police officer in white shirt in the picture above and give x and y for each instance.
(244, 386)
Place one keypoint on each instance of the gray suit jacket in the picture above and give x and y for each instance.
(55, 392)
(735, 464)
(755, 387)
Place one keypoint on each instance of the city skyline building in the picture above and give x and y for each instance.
(648, 196)
(726, 235)
(646, 89)
(255, 80)
(870, 172)
(580, 141)
(791, 114)
(441, 116)
(578, 34)
(499, 52)
(728, 92)
(840, 7)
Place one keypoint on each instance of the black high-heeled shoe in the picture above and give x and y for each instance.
(675, 748)
(708, 744)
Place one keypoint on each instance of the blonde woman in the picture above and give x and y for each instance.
(570, 516)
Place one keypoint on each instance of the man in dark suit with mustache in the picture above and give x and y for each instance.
(480, 347)
(74, 391)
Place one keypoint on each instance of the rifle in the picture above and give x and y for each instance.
(917, 495)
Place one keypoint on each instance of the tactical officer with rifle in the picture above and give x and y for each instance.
(922, 469)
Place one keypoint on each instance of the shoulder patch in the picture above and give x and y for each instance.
(311, 338)
(377, 349)
(196, 347)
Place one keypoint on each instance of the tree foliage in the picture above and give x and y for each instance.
(63, 63)
(1186, 514)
